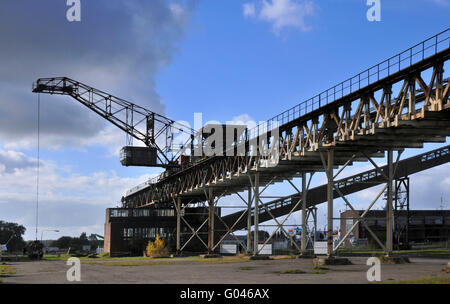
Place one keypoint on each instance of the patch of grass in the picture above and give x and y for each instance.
(292, 271)
(7, 270)
(104, 255)
(428, 280)
(246, 268)
(100, 258)
(156, 262)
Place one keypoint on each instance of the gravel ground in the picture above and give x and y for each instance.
(252, 272)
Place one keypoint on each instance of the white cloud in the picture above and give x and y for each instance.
(243, 119)
(249, 10)
(66, 199)
(282, 13)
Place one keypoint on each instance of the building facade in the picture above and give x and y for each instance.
(410, 227)
(128, 231)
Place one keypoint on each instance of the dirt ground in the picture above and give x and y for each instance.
(243, 272)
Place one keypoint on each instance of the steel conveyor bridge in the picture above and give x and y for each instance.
(348, 185)
(358, 119)
(400, 103)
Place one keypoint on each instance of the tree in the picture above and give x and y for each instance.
(157, 248)
(83, 239)
(63, 242)
(75, 243)
(16, 231)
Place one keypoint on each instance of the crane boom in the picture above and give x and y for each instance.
(154, 130)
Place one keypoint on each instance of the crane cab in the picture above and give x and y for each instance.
(139, 157)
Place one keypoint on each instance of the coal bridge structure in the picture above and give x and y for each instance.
(400, 103)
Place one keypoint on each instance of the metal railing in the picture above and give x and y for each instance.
(395, 64)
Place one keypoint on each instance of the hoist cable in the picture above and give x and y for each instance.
(38, 161)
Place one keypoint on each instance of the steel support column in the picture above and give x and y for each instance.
(178, 225)
(401, 205)
(330, 188)
(304, 215)
(314, 213)
(249, 219)
(389, 209)
(256, 215)
(210, 222)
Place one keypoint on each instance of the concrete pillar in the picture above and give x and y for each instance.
(256, 214)
(178, 225)
(249, 219)
(304, 219)
(330, 203)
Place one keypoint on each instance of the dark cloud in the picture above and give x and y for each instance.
(118, 47)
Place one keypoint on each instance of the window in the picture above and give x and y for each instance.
(416, 220)
(348, 226)
(118, 213)
(433, 220)
(141, 212)
(165, 212)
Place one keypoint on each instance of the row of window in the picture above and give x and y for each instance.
(413, 220)
(145, 233)
(141, 212)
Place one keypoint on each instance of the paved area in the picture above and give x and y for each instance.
(254, 272)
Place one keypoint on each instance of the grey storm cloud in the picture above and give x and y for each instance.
(119, 47)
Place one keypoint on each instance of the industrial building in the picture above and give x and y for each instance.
(128, 231)
(423, 226)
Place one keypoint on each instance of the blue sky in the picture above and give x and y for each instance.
(176, 58)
